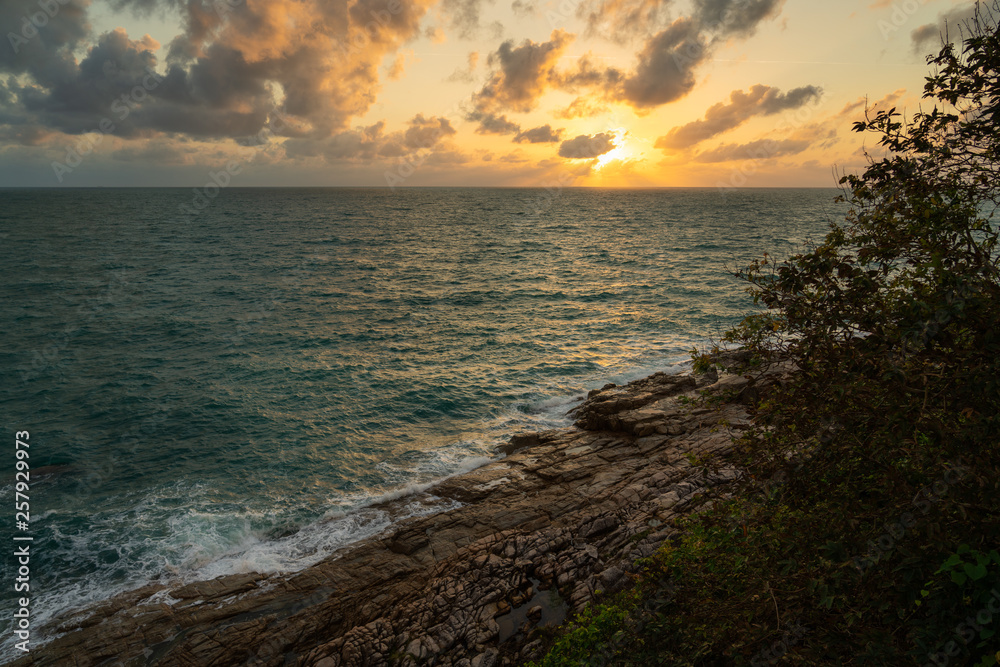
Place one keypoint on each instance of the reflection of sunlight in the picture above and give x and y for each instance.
(620, 152)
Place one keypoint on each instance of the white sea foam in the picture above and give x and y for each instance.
(204, 545)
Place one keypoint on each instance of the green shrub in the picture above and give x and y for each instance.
(866, 528)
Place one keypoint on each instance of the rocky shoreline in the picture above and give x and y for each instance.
(538, 534)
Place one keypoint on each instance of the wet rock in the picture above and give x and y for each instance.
(519, 441)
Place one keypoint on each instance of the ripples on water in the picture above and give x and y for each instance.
(223, 393)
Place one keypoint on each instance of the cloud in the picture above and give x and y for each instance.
(464, 16)
(466, 74)
(735, 17)
(369, 143)
(398, 66)
(761, 100)
(159, 153)
(24, 135)
(761, 149)
(46, 53)
(539, 135)
(586, 147)
(522, 75)
(516, 157)
(365, 143)
(490, 123)
(427, 132)
(666, 66)
(588, 75)
(234, 66)
(929, 35)
(616, 20)
(523, 8)
(580, 108)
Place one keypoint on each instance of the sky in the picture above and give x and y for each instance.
(535, 93)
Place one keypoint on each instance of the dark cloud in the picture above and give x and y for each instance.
(115, 78)
(490, 123)
(761, 149)
(586, 147)
(667, 62)
(427, 132)
(365, 143)
(734, 17)
(664, 71)
(588, 75)
(225, 76)
(742, 106)
(42, 48)
(666, 66)
(930, 35)
(539, 135)
(522, 75)
(618, 20)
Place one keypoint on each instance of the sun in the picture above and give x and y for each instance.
(622, 151)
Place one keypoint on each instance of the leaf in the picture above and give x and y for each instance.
(952, 561)
(975, 572)
(959, 578)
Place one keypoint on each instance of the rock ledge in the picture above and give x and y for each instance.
(540, 533)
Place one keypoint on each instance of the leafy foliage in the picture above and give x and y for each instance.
(869, 517)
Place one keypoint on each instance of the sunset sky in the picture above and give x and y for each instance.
(452, 92)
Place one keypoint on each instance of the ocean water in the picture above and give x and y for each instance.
(232, 390)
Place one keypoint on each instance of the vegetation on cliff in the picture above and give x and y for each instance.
(867, 527)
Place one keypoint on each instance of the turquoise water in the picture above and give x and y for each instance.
(229, 391)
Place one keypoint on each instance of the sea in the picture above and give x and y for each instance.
(233, 386)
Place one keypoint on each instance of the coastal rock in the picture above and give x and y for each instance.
(636, 409)
(519, 544)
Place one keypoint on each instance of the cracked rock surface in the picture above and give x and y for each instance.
(536, 536)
